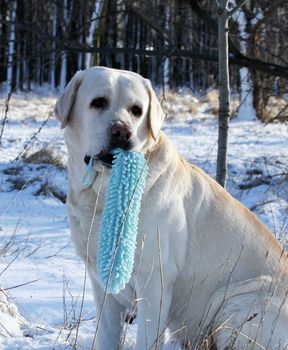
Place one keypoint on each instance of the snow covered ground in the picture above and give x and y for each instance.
(38, 268)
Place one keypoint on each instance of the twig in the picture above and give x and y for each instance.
(183, 326)
(280, 116)
(249, 339)
(5, 329)
(274, 323)
(162, 290)
(11, 262)
(44, 329)
(87, 261)
(30, 141)
(132, 309)
(6, 109)
(22, 284)
(58, 251)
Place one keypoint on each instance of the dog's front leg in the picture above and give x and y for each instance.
(110, 316)
(152, 316)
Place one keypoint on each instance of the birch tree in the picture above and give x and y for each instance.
(63, 74)
(224, 87)
(166, 70)
(171, 42)
(94, 24)
(246, 109)
(53, 47)
(11, 47)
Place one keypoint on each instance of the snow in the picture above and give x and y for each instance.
(39, 270)
(246, 109)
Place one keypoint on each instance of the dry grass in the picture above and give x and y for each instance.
(212, 99)
(45, 155)
(277, 109)
(9, 309)
(185, 106)
(179, 106)
(47, 190)
(13, 170)
(20, 178)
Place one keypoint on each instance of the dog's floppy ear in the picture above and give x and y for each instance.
(65, 102)
(156, 115)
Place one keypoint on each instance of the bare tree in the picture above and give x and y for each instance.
(224, 87)
(53, 47)
(52, 40)
(63, 75)
(11, 49)
(94, 24)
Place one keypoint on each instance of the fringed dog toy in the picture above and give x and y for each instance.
(119, 222)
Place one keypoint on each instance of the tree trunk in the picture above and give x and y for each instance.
(53, 47)
(25, 65)
(224, 93)
(80, 38)
(246, 109)
(166, 69)
(11, 47)
(63, 74)
(18, 85)
(94, 24)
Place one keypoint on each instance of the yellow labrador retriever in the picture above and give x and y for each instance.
(222, 280)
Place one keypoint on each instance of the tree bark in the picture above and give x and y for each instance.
(246, 110)
(53, 47)
(224, 93)
(63, 73)
(241, 60)
(11, 47)
(94, 24)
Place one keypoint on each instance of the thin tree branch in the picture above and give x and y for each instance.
(6, 109)
(236, 8)
(22, 284)
(238, 59)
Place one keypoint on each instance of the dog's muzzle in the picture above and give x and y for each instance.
(120, 137)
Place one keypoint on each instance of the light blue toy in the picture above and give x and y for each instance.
(118, 226)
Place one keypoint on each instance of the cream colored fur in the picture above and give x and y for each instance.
(224, 273)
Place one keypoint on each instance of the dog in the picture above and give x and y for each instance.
(207, 273)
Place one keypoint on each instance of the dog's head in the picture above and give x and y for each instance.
(106, 108)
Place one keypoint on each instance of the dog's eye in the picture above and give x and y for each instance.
(136, 111)
(99, 103)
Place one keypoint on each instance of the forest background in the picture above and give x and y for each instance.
(174, 43)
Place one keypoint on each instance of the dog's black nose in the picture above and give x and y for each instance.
(121, 132)
(87, 159)
(121, 137)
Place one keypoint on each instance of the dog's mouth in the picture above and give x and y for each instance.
(105, 158)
